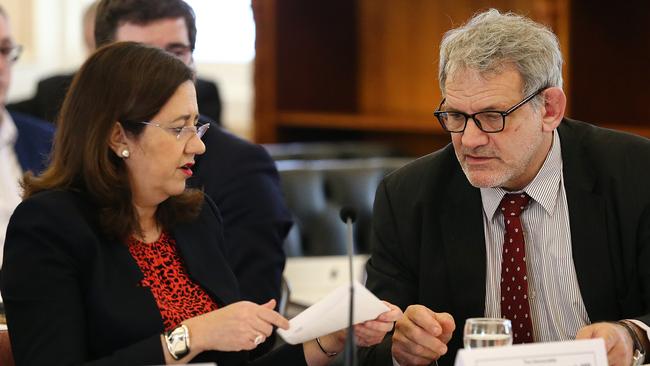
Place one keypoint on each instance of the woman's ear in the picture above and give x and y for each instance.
(553, 108)
(118, 141)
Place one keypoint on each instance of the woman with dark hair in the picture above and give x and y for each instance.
(110, 259)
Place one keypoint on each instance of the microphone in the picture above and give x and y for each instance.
(348, 212)
(349, 215)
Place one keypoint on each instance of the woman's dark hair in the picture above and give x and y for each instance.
(124, 81)
(111, 14)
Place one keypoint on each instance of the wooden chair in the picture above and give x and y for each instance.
(6, 356)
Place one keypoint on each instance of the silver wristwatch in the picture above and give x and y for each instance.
(178, 341)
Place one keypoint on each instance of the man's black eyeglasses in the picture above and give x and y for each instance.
(486, 121)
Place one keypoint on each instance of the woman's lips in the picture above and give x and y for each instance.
(187, 169)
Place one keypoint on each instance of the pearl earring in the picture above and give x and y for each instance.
(125, 153)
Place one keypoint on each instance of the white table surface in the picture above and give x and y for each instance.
(311, 278)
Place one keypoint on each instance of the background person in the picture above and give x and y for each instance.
(25, 142)
(569, 258)
(46, 101)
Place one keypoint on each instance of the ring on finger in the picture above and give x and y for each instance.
(259, 339)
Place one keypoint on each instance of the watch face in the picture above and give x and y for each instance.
(178, 342)
(637, 358)
(179, 348)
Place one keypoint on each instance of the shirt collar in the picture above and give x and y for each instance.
(543, 189)
(8, 130)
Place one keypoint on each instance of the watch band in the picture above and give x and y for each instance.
(638, 354)
(178, 341)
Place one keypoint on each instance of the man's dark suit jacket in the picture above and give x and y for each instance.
(241, 178)
(429, 244)
(34, 142)
(50, 92)
(72, 295)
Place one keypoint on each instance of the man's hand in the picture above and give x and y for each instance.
(618, 343)
(421, 336)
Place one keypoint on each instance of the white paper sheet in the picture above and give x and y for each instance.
(332, 313)
(590, 352)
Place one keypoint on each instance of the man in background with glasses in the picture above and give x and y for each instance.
(25, 141)
(526, 215)
(50, 91)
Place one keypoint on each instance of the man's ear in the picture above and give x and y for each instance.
(117, 140)
(553, 108)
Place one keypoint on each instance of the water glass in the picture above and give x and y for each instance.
(487, 332)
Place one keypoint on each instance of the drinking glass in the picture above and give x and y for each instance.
(487, 332)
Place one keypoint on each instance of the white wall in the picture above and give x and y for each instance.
(51, 33)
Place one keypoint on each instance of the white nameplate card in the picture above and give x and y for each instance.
(589, 352)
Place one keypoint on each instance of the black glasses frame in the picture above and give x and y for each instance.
(441, 114)
(11, 52)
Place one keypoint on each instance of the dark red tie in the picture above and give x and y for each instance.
(514, 278)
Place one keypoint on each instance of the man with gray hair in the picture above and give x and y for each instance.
(526, 215)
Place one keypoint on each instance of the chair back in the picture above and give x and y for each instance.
(316, 190)
(6, 356)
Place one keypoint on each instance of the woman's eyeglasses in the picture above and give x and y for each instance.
(182, 132)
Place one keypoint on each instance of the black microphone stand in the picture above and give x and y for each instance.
(348, 215)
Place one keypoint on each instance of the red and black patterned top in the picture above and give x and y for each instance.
(178, 297)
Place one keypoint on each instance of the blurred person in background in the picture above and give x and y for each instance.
(88, 25)
(46, 102)
(47, 99)
(25, 141)
(111, 259)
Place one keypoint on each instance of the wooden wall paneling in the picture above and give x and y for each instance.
(316, 55)
(398, 47)
(610, 58)
(264, 78)
(363, 65)
(397, 55)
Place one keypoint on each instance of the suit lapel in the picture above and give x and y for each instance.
(588, 222)
(464, 247)
(125, 268)
(199, 246)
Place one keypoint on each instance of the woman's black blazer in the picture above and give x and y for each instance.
(72, 296)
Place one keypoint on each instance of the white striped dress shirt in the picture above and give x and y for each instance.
(556, 306)
(10, 174)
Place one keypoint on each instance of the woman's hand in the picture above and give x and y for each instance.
(367, 334)
(239, 326)
(372, 332)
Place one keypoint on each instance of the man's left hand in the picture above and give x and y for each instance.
(618, 343)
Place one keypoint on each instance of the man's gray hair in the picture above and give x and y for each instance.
(491, 41)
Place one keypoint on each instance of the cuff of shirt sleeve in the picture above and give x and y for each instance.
(641, 325)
